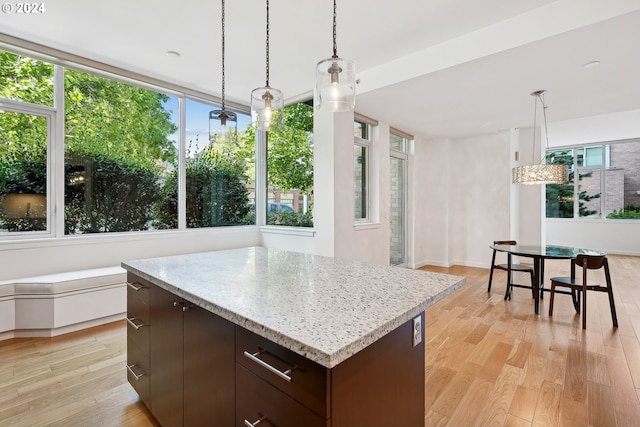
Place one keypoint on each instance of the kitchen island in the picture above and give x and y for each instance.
(265, 336)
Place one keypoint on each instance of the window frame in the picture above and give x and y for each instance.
(50, 115)
(604, 166)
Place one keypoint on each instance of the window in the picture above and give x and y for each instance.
(219, 179)
(398, 145)
(121, 150)
(290, 169)
(604, 182)
(118, 155)
(24, 182)
(361, 160)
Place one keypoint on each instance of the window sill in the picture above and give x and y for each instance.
(366, 226)
(292, 231)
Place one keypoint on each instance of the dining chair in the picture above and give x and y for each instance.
(580, 286)
(525, 268)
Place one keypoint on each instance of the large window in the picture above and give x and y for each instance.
(26, 127)
(117, 158)
(604, 182)
(290, 169)
(118, 155)
(361, 160)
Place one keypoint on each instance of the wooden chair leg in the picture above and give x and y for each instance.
(533, 293)
(493, 262)
(612, 305)
(552, 293)
(584, 310)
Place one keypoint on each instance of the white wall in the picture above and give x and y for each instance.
(480, 191)
(29, 258)
(430, 194)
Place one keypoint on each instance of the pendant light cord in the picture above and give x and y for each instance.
(223, 48)
(335, 43)
(267, 46)
(539, 95)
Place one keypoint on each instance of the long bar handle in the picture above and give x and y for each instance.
(250, 424)
(136, 376)
(134, 287)
(132, 323)
(284, 375)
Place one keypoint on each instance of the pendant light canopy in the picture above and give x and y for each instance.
(227, 126)
(267, 103)
(541, 173)
(335, 80)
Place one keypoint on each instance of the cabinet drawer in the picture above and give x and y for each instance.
(138, 370)
(138, 312)
(137, 292)
(309, 381)
(258, 400)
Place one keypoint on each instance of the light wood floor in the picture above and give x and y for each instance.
(491, 362)
(488, 361)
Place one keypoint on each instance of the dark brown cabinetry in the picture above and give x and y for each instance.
(382, 385)
(191, 366)
(138, 336)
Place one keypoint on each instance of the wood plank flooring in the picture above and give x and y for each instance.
(489, 362)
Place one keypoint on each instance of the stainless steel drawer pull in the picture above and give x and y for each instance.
(136, 376)
(250, 424)
(284, 375)
(132, 323)
(135, 286)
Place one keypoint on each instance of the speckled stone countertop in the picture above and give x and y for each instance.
(323, 308)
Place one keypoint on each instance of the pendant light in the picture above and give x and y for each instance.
(267, 103)
(335, 80)
(541, 173)
(228, 119)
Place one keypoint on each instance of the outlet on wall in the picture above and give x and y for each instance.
(417, 330)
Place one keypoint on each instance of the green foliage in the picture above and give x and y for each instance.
(560, 197)
(25, 79)
(115, 119)
(115, 195)
(290, 219)
(216, 196)
(290, 150)
(629, 212)
(23, 177)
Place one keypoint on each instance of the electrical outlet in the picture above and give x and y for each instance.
(417, 330)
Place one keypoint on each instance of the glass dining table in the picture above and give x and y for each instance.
(539, 254)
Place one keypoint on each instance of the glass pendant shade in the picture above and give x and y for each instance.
(336, 84)
(540, 174)
(267, 108)
(223, 125)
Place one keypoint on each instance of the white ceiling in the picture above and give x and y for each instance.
(451, 68)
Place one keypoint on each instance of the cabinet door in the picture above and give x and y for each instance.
(166, 357)
(209, 367)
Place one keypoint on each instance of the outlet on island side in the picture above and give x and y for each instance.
(417, 330)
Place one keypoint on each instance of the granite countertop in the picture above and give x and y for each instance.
(323, 308)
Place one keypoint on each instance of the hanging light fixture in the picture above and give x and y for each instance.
(228, 119)
(541, 173)
(267, 103)
(335, 80)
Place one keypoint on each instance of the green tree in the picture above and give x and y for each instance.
(116, 140)
(560, 197)
(290, 150)
(216, 196)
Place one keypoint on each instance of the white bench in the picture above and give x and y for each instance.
(55, 304)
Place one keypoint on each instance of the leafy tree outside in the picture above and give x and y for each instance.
(560, 197)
